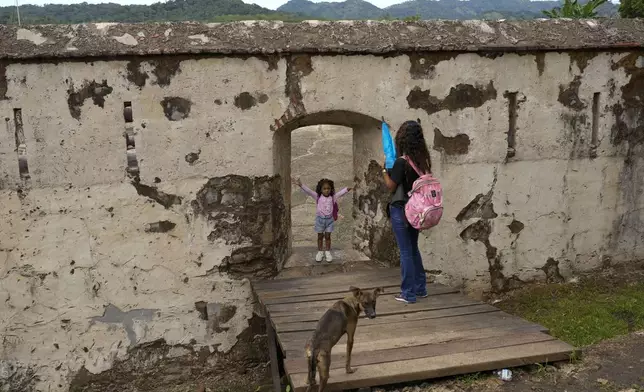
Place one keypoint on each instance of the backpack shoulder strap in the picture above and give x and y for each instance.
(413, 165)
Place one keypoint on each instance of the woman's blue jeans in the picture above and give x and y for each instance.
(414, 279)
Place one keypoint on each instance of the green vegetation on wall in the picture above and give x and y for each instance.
(574, 10)
(631, 9)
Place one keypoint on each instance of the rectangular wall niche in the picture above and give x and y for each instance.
(21, 144)
(512, 124)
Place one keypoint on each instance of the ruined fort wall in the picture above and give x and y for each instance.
(96, 260)
(125, 247)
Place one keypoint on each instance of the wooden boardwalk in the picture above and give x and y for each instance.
(443, 335)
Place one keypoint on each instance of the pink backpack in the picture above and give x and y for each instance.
(424, 208)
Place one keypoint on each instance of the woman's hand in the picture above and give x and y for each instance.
(296, 181)
(349, 189)
(387, 180)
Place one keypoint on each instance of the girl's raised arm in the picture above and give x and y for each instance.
(341, 193)
(304, 188)
(309, 191)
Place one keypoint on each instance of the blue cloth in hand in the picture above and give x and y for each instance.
(388, 146)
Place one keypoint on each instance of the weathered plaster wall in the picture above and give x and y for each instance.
(125, 244)
(96, 261)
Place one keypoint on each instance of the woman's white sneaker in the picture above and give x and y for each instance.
(319, 256)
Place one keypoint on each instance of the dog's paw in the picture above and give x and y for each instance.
(351, 370)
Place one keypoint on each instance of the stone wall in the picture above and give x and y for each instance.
(144, 175)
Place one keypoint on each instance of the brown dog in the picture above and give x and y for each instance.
(340, 319)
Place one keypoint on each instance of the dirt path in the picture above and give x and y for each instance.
(322, 152)
(317, 152)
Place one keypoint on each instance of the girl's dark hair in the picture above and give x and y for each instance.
(410, 141)
(318, 188)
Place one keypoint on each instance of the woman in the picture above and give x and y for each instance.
(410, 142)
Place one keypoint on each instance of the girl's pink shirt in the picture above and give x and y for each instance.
(325, 204)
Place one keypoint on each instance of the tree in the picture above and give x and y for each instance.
(414, 18)
(572, 9)
(631, 9)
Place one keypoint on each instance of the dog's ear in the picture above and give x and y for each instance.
(378, 291)
(356, 291)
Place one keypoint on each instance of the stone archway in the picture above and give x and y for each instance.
(372, 235)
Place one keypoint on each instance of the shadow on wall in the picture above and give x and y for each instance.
(371, 234)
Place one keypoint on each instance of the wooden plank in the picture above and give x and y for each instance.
(323, 280)
(422, 315)
(272, 351)
(432, 289)
(410, 341)
(299, 365)
(392, 285)
(386, 305)
(441, 366)
(369, 284)
(415, 328)
(386, 302)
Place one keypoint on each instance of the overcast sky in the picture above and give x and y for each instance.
(271, 4)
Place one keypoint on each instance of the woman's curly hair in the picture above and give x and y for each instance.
(410, 141)
(318, 188)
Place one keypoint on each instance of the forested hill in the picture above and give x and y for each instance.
(173, 10)
(430, 9)
(294, 10)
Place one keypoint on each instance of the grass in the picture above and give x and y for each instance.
(608, 386)
(585, 313)
(472, 378)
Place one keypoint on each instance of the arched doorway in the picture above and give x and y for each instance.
(321, 151)
(370, 236)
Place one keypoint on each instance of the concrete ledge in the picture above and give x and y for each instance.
(342, 37)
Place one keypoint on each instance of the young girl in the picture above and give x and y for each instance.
(325, 197)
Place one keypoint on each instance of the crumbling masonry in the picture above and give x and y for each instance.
(144, 175)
